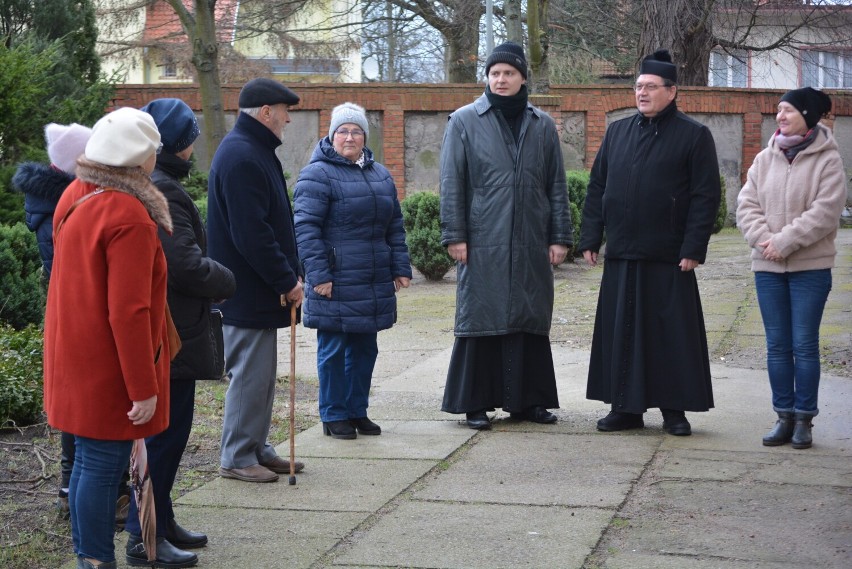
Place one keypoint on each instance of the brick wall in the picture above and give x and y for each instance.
(594, 101)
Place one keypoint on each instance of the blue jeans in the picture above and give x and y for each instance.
(98, 470)
(345, 363)
(791, 305)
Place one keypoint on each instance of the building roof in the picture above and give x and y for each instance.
(163, 24)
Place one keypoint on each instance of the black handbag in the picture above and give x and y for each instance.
(217, 339)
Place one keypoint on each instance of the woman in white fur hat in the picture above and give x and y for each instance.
(106, 354)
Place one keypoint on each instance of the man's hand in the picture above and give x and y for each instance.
(557, 254)
(142, 411)
(401, 282)
(458, 251)
(687, 265)
(591, 257)
(296, 294)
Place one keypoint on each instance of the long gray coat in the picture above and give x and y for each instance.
(509, 203)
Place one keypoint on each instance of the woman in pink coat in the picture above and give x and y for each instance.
(788, 211)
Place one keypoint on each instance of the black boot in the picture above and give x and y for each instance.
(167, 554)
(782, 432)
(802, 431)
(675, 423)
(183, 538)
(339, 430)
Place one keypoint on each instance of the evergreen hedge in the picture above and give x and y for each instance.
(22, 293)
(21, 387)
(421, 214)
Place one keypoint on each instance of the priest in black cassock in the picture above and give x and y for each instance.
(505, 219)
(653, 196)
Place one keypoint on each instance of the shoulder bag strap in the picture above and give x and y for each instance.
(75, 205)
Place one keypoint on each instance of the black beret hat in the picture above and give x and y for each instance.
(508, 52)
(659, 63)
(811, 103)
(263, 91)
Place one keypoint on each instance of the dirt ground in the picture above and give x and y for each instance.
(33, 535)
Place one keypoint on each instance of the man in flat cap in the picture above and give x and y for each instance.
(250, 231)
(654, 190)
(506, 222)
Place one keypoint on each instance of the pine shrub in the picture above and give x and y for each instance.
(578, 181)
(21, 389)
(422, 220)
(22, 294)
(722, 213)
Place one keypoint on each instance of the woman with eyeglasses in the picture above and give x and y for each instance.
(352, 244)
(788, 211)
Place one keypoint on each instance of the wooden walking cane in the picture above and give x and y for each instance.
(293, 394)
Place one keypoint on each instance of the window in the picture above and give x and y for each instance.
(169, 70)
(826, 69)
(729, 69)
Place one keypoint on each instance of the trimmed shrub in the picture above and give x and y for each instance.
(722, 214)
(422, 220)
(21, 383)
(578, 181)
(22, 294)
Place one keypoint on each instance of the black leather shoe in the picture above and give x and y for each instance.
(167, 554)
(675, 423)
(365, 426)
(478, 420)
(182, 538)
(618, 421)
(535, 414)
(339, 430)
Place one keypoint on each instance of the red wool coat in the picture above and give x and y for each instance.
(105, 342)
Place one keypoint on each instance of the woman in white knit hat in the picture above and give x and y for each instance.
(352, 244)
(106, 354)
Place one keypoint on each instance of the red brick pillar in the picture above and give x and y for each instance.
(394, 145)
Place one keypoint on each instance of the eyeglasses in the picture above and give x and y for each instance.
(345, 132)
(160, 148)
(650, 87)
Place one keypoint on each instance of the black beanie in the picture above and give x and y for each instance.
(508, 52)
(659, 63)
(811, 103)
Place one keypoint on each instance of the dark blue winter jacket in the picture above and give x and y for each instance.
(349, 231)
(250, 225)
(42, 186)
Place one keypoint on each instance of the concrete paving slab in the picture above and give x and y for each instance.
(771, 523)
(643, 561)
(679, 466)
(336, 485)
(407, 406)
(434, 440)
(266, 538)
(554, 469)
(465, 536)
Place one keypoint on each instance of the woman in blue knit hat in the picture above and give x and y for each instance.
(195, 282)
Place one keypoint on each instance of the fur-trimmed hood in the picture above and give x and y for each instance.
(41, 181)
(133, 181)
